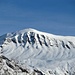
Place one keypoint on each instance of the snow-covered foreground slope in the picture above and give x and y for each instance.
(39, 53)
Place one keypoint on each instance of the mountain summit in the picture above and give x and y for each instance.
(39, 52)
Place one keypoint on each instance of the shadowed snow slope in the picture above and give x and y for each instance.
(47, 53)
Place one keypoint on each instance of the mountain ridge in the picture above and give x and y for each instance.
(40, 50)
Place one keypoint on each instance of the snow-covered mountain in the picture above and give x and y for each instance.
(38, 53)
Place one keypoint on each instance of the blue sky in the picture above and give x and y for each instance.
(52, 16)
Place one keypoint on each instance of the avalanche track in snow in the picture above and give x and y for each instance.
(46, 53)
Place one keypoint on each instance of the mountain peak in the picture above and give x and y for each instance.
(28, 30)
(31, 30)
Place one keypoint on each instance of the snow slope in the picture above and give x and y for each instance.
(40, 52)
